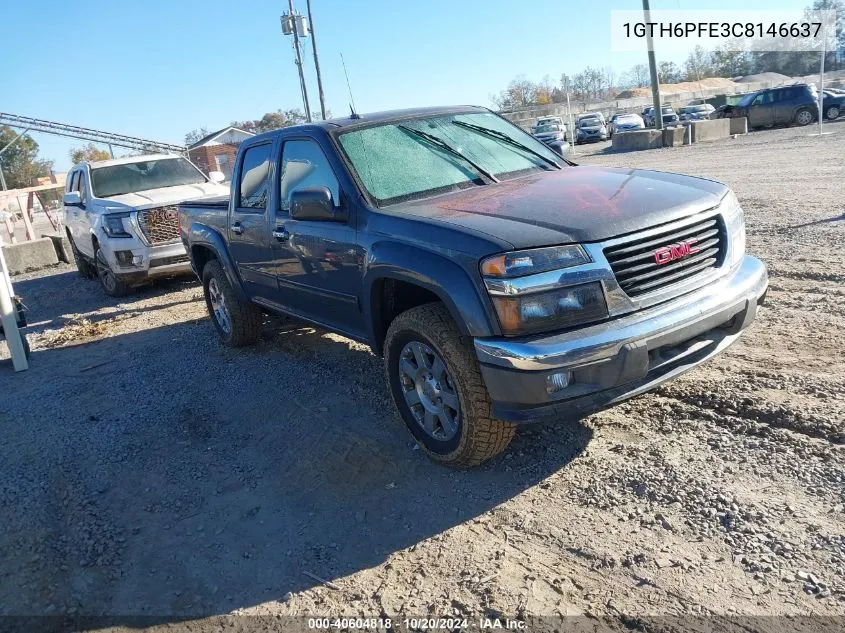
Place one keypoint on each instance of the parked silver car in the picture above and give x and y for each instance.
(699, 112)
(625, 123)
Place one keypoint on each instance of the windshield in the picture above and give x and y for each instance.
(543, 129)
(746, 100)
(628, 118)
(396, 165)
(115, 180)
(667, 110)
(589, 121)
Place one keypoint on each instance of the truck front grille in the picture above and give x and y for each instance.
(160, 225)
(635, 262)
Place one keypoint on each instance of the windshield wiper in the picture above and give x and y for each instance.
(439, 142)
(507, 139)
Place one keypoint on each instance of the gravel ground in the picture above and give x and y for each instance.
(145, 469)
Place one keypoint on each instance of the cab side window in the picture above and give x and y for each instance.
(73, 183)
(254, 182)
(305, 165)
(83, 189)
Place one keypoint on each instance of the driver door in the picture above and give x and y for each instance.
(318, 264)
(761, 110)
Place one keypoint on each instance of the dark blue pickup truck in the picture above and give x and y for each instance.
(501, 283)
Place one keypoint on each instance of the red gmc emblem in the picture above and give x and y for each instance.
(672, 252)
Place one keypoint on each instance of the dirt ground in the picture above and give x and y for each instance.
(146, 470)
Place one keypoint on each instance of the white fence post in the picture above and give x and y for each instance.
(9, 318)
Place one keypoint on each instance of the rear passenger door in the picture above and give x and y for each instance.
(248, 229)
(782, 110)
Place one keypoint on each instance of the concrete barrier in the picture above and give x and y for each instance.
(637, 140)
(739, 126)
(674, 136)
(62, 246)
(710, 130)
(32, 255)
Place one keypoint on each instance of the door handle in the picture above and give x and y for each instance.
(281, 234)
(237, 228)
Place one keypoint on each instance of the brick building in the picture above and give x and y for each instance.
(216, 151)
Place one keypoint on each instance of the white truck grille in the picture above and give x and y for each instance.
(160, 225)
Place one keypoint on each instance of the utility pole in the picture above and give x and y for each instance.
(298, 51)
(652, 68)
(316, 61)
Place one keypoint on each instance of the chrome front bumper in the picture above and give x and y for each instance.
(622, 357)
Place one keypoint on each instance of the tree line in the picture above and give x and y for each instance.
(598, 84)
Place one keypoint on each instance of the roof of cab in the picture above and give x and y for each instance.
(385, 116)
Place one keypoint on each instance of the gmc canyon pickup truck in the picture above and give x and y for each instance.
(501, 283)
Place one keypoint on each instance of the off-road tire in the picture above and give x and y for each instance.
(85, 268)
(801, 120)
(832, 112)
(479, 436)
(246, 318)
(109, 281)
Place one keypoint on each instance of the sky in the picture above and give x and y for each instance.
(160, 68)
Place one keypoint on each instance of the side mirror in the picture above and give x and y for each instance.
(72, 199)
(216, 176)
(314, 203)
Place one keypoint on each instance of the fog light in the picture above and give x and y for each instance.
(557, 382)
(124, 258)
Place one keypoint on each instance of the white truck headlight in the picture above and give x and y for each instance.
(113, 224)
(734, 218)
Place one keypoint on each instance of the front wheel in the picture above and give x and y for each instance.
(83, 266)
(832, 112)
(437, 387)
(111, 283)
(237, 321)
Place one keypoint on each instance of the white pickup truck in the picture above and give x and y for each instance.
(121, 217)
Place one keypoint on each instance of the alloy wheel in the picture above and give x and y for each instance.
(105, 273)
(218, 306)
(804, 117)
(429, 391)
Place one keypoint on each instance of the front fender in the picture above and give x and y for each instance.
(444, 277)
(204, 236)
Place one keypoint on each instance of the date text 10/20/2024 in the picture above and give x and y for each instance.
(418, 624)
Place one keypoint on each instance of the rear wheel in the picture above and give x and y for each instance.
(436, 384)
(237, 321)
(804, 117)
(111, 283)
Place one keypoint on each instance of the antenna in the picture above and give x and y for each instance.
(353, 114)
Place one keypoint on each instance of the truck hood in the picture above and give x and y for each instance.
(167, 195)
(574, 204)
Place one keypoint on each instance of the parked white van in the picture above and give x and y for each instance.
(121, 217)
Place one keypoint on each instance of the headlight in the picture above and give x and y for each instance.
(735, 225)
(537, 260)
(550, 310)
(113, 225)
(525, 306)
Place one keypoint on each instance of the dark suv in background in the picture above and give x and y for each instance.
(786, 105)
